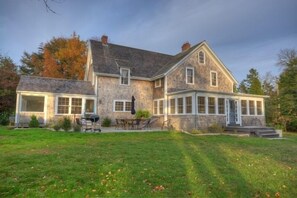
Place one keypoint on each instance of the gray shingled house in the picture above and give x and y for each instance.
(193, 88)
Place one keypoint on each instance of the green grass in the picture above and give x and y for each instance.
(42, 163)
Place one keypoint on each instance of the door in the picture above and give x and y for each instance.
(232, 112)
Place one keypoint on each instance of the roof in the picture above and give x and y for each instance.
(110, 58)
(55, 85)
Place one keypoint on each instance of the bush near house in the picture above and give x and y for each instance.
(106, 122)
(33, 122)
(142, 114)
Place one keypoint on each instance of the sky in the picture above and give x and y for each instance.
(244, 34)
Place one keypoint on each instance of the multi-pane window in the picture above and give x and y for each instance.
(211, 105)
(125, 76)
(158, 83)
(76, 105)
(201, 104)
(155, 107)
(89, 106)
(63, 105)
(180, 105)
(190, 75)
(214, 79)
(119, 106)
(252, 107)
(172, 106)
(259, 108)
(161, 107)
(32, 103)
(243, 107)
(189, 104)
(128, 106)
(221, 105)
(201, 57)
(122, 106)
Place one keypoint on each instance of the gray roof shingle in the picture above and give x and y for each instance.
(55, 85)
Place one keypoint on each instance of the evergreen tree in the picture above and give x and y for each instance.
(252, 83)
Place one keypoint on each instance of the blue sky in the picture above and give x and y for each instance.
(243, 33)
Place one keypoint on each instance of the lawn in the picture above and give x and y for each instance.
(42, 163)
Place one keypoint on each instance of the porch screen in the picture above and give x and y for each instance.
(89, 106)
(172, 106)
(221, 105)
(252, 107)
(76, 105)
(259, 108)
(201, 104)
(211, 105)
(32, 104)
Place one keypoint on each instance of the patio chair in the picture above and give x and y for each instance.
(152, 121)
(86, 125)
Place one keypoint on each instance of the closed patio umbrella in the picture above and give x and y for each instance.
(133, 106)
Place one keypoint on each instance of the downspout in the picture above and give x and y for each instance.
(165, 99)
(196, 110)
(17, 112)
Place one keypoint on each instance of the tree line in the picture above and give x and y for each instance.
(65, 57)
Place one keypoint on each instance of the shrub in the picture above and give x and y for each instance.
(4, 118)
(106, 122)
(66, 124)
(215, 128)
(33, 122)
(142, 114)
(57, 127)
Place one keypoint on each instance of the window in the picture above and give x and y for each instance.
(160, 106)
(180, 105)
(63, 105)
(259, 108)
(201, 57)
(189, 104)
(122, 106)
(155, 107)
(32, 103)
(76, 105)
(119, 106)
(190, 75)
(158, 83)
(128, 106)
(90, 106)
(243, 107)
(172, 106)
(252, 107)
(125, 76)
(221, 105)
(213, 79)
(211, 105)
(201, 104)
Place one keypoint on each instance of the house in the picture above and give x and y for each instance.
(193, 88)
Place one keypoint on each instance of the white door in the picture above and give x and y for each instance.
(233, 117)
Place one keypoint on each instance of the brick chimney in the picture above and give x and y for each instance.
(186, 46)
(104, 39)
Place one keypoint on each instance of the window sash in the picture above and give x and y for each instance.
(63, 105)
(189, 104)
(244, 107)
(221, 105)
(158, 83)
(211, 105)
(201, 104)
(32, 103)
(119, 106)
(201, 57)
(90, 104)
(172, 106)
(213, 79)
(76, 105)
(190, 75)
(156, 107)
(259, 108)
(180, 105)
(125, 76)
(252, 107)
(161, 107)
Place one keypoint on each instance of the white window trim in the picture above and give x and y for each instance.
(193, 77)
(176, 97)
(36, 95)
(158, 106)
(203, 57)
(124, 106)
(158, 83)
(83, 108)
(128, 76)
(211, 72)
(205, 105)
(215, 106)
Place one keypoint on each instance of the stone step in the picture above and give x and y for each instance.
(271, 135)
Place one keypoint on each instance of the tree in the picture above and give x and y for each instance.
(288, 86)
(252, 83)
(8, 82)
(60, 58)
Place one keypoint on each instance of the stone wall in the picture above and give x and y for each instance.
(109, 89)
(177, 79)
(253, 121)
